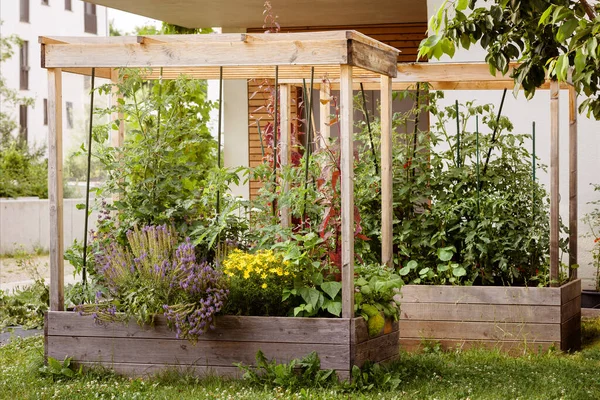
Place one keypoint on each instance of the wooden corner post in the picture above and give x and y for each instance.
(55, 189)
(387, 206)
(573, 228)
(285, 108)
(347, 188)
(554, 183)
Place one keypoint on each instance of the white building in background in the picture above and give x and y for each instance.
(29, 19)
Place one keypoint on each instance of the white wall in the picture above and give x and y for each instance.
(26, 222)
(51, 20)
(522, 113)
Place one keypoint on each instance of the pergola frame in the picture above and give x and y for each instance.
(199, 56)
(346, 58)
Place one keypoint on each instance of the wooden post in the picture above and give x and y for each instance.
(573, 230)
(554, 183)
(55, 189)
(285, 145)
(347, 192)
(118, 136)
(387, 206)
(325, 111)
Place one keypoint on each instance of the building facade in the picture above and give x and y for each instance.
(29, 19)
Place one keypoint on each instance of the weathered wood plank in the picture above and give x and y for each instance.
(318, 52)
(229, 328)
(571, 308)
(480, 312)
(55, 189)
(510, 347)
(573, 212)
(377, 349)
(570, 290)
(569, 329)
(554, 183)
(373, 59)
(149, 370)
(387, 194)
(175, 351)
(502, 331)
(480, 295)
(347, 189)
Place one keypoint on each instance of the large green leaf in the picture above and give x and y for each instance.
(331, 288)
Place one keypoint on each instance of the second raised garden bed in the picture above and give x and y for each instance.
(512, 319)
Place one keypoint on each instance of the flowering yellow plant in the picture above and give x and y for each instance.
(261, 267)
(257, 281)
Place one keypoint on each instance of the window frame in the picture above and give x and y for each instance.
(69, 114)
(24, 65)
(24, 11)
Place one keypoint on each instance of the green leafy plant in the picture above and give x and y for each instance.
(298, 373)
(592, 219)
(373, 376)
(162, 167)
(60, 370)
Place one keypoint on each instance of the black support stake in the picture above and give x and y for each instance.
(366, 111)
(87, 186)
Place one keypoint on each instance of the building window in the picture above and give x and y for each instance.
(68, 5)
(45, 2)
(90, 22)
(69, 107)
(23, 122)
(87, 83)
(45, 111)
(24, 10)
(24, 63)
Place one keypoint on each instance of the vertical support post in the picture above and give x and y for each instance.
(325, 111)
(55, 189)
(118, 136)
(285, 105)
(387, 207)
(573, 229)
(347, 189)
(554, 182)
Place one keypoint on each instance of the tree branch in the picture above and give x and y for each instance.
(588, 9)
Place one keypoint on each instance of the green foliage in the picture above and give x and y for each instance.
(58, 370)
(164, 165)
(298, 373)
(546, 37)
(25, 306)
(373, 377)
(592, 219)
(24, 169)
(375, 298)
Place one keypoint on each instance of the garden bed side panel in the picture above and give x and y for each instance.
(512, 319)
(137, 351)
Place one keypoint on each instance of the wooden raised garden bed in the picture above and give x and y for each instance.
(509, 318)
(137, 351)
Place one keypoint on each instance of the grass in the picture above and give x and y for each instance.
(473, 374)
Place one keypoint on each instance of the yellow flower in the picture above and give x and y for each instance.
(264, 286)
(264, 276)
(246, 275)
(286, 273)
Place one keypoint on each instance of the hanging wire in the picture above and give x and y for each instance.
(366, 111)
(275, 128)
(159, 107)
(262, 146)
(308, 137)
(87, 186)
(533, 164)
(219, 134)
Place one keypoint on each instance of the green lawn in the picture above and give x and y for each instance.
(473, 374)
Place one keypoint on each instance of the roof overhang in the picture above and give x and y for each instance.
(249, 13)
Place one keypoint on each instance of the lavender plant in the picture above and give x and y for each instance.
(152, 275)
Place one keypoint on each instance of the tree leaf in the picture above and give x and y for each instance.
(462, 5)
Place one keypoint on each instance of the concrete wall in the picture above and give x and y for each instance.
(25, 222)
(522, 112)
